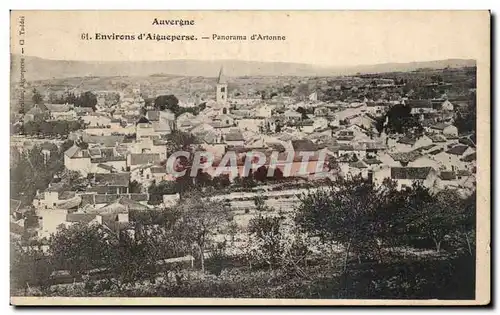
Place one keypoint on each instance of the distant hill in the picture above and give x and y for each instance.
(42, 69)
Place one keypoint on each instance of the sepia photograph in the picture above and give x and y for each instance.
(250, 158)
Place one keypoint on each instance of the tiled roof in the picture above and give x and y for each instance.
(158, 170)
(408, 140)
(457, 149)
(304, 145)
(372, 161)
(417, 173)
(469, 157)
(57, 108)
(405, 156)
(440, 126)
(113, 179)
(447, 175)
(80, 217)
(437, 137)
(71, 152)
(358, 164)
(106, 167)
(66, 195)
(234, 135)
(144, 158)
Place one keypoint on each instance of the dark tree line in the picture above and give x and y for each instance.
(399, 121)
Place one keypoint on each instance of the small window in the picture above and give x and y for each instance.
(223, 89)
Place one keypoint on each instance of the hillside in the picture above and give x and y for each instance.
(43, 69)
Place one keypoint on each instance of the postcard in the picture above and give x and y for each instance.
(250, 158)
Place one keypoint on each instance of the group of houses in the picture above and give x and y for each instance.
(129, 145)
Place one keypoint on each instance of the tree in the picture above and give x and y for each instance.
(400, 121)
(135, 187)
(465, 119)
(81, 248)
(439, 216)
(87, 99)
(267, 239)
(303, 112)
(260, 204)
(302, 90)
(343, 214)
(221, 181)
(200, 218)
(169, 102)
(37, 97)
(156, 191)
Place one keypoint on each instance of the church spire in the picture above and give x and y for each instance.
(222, 77)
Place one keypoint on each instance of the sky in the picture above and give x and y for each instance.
(328, 38)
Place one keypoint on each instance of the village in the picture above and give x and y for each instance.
(120, 150)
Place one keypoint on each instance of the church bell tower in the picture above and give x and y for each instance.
(221, 93)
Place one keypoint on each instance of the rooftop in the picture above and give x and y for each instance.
(417, 173)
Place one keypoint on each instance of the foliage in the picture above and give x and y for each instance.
(51, 128)
(29, 266)
(399, 121)
(92, 251)
(267, 240)
(33, 171)
(37, 98)
(466, 117)
(156, 191)
(169, 102)
(199, 221)
(135, 187)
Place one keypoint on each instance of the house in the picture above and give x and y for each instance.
(353, 151)
(358, 168)
(263, 111)
(78, 159)
(252, 124)
(425, 161)
(61, 111)
(420, 107)
(363, 121)
(144, 129)
(445, 129)
(321, 111)
(96, 120)
(408, 176)
(234, 138)
(150, 145)
(211, 142)
(304, 145)
(185, 119)
(106, 156)
(306, 125)
(409, 143)
(447, 106)
(36, 113)
(292, 115)
(111, 183)
(320, 123)
(139, 159)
